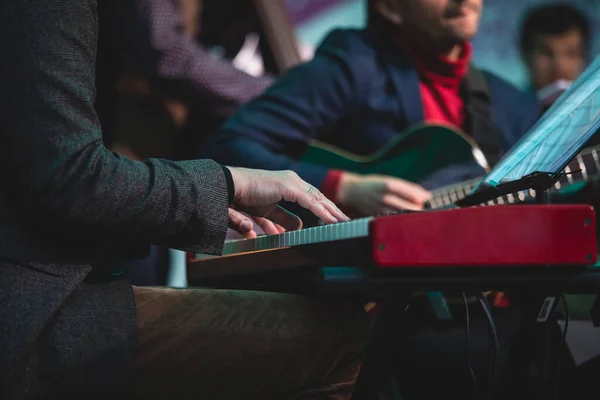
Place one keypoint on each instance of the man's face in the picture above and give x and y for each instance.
(443, 21)
(555, 57)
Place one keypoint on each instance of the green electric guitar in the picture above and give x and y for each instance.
(419, 152)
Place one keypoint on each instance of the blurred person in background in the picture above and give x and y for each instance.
(166, 71)
(554, 44)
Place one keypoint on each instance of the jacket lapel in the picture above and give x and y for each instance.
(405, 83)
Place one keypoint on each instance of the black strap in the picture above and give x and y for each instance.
(478, 108)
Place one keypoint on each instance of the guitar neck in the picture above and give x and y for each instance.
(320, 234)
(584, 167)
(448, 195)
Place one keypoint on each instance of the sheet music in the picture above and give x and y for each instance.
(558, 135)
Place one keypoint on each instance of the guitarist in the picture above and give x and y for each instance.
(412, 64)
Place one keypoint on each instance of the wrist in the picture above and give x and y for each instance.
(240, 178)
(230, 184)
(331, 184)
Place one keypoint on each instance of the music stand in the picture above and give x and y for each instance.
(538, 159)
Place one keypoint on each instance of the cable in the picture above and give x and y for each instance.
(494, 343)
(467, 352)
(562, 345)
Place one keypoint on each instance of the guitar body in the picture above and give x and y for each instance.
(415, 155)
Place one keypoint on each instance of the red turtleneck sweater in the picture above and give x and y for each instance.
(439, 82)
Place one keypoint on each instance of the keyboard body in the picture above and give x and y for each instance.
(474, 242)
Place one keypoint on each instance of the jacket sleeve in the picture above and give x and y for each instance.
(306, 103)
(51, 148)
(153, 33)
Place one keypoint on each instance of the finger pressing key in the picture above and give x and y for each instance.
(268, 226)
(334, 210)
(330, 206)
(310, 202)
(240, 223)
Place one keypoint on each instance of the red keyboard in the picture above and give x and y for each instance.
(487, 236)
(494, 236)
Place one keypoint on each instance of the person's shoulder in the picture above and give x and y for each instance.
(518, 108)
(505, 91)
(347, 43)
(348, 39)
(353, 50)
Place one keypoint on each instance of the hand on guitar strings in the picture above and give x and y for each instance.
(257, 193)
(369, 195)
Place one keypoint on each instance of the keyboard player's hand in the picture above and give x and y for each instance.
(257, 193)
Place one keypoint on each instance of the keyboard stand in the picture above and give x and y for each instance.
(376, 380)
(534, 344)
(537, 344)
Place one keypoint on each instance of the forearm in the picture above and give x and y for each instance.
(52, 146)
(179, 204)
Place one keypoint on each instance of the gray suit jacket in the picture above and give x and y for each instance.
(70, 209)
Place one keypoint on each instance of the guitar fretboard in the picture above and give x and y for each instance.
(326, 233)
(582, 168)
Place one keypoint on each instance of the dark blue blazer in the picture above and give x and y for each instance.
(357, 93)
